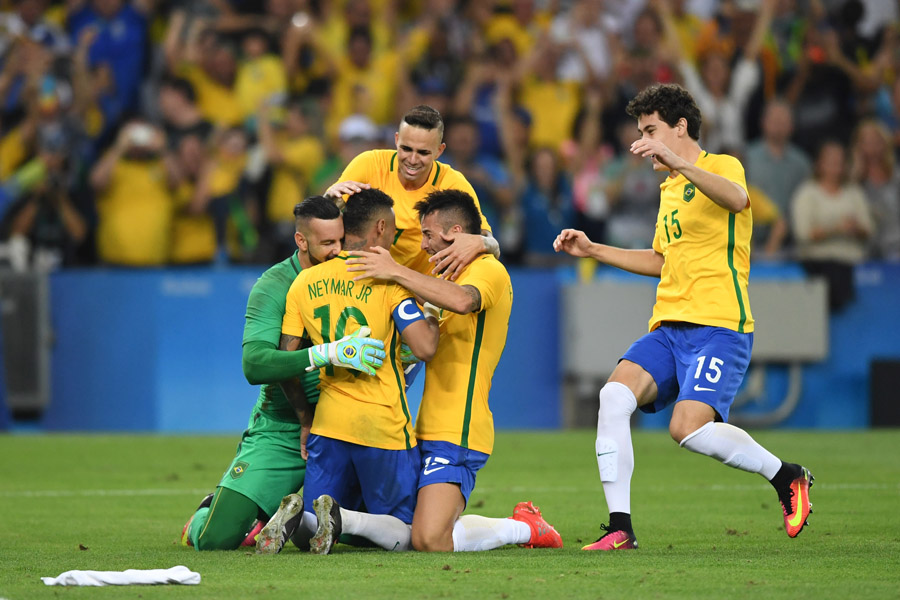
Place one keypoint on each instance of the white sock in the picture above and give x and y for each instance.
(615, 455)
(306, 529)
(734, 447)
(474, 533)
(384, 530)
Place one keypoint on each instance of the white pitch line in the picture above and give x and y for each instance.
(481, 489)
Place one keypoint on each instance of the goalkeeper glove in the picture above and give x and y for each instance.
(406, 355)
(355, 351)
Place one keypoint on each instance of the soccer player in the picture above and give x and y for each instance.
(455, 427)
(268, 464)
(408, 174)
(701, 331)
(362, 447)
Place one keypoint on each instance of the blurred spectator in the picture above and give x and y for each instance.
(519, 22)
(28, 21)
(547, 207)
(770, 226)
(193, 230)
(721, 94)
(831, 222)
(874, 169)
(295, 154)
(632, 190)
(134, 204)
(488, 175)
(774, 164)
(356, 134)
(198, 54)
(584, 32)
(261, 78)
(120, 42)
(47, 218)
(589, 187)
(553, 103)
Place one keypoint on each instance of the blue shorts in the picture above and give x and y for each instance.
(382, 481)
(443, 462)
(693, 362)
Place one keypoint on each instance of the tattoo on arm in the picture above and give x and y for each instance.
(289, 342)
(475, 296)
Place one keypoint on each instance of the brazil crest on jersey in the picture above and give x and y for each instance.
(378, 168)
(325, 304)
(458, 379)
(707, 253)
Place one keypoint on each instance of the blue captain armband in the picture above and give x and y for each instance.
(407, 313)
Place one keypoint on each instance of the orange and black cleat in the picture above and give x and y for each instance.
(795, 503)
(543, 535)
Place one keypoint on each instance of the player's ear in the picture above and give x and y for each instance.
(682, 125)
(301, 242)
(440, 150)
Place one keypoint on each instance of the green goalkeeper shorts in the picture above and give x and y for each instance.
(267, 465)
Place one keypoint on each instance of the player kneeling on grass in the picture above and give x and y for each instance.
(701, 331)
(269, 463)
(454, 426)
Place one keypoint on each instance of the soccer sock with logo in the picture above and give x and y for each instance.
(615, 455)
(734, 447)
(474, 533)
(384, 530)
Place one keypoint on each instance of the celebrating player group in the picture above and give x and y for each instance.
(407, 274)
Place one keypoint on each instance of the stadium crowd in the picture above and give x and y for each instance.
(147, 133)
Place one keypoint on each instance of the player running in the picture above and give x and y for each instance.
(701, 331)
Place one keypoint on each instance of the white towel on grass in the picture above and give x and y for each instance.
(179, 574)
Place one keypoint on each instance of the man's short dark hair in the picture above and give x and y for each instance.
(672, 102)
(182, 86)
(425, 117)
(316, 207)
(363, 208)
(456, 207)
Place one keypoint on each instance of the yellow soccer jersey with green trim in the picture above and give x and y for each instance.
(324, 304)
(458, 379)
(378, 168)
(706, 250)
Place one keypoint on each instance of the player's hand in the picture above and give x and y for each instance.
(574, 242)
(463, 249)
(345, 188)
(659, 154)
(406, 355)
(377, 264)
(355, 351)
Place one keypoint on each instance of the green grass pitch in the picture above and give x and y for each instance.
(114, 502)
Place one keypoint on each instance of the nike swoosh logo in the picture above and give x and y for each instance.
(605, 453)
(798, 514)
(430, 471)
(620, 544)
(697, 388)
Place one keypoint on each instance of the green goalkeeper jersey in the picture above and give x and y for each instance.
(262, 334)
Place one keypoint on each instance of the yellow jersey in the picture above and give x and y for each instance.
(378, 168)
(134, 215)
(301, 157)
(706, 250)
(219, 104)
(458, 379)
(324, 304)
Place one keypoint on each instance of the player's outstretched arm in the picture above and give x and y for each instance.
(463, 249)
(293, 391)
(356, 351)
(642, 262)
(379, 265)
(422, 337)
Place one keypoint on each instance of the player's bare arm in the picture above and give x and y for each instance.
(463, 249)
(378, 264)
(647, 262)
(345, 188)
(422, 338)
(293, 391)
(720, 190)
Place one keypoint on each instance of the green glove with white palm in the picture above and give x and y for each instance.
(356, 351)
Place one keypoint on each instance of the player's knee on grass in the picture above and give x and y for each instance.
(230, 517)
(431, 538)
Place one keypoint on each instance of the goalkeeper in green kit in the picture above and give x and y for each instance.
(268, 464)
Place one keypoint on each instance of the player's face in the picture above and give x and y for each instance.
(432, 242)
(417, 149)
(319, 241)
(654, 128)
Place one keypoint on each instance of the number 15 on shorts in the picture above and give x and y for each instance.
(711, 372)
